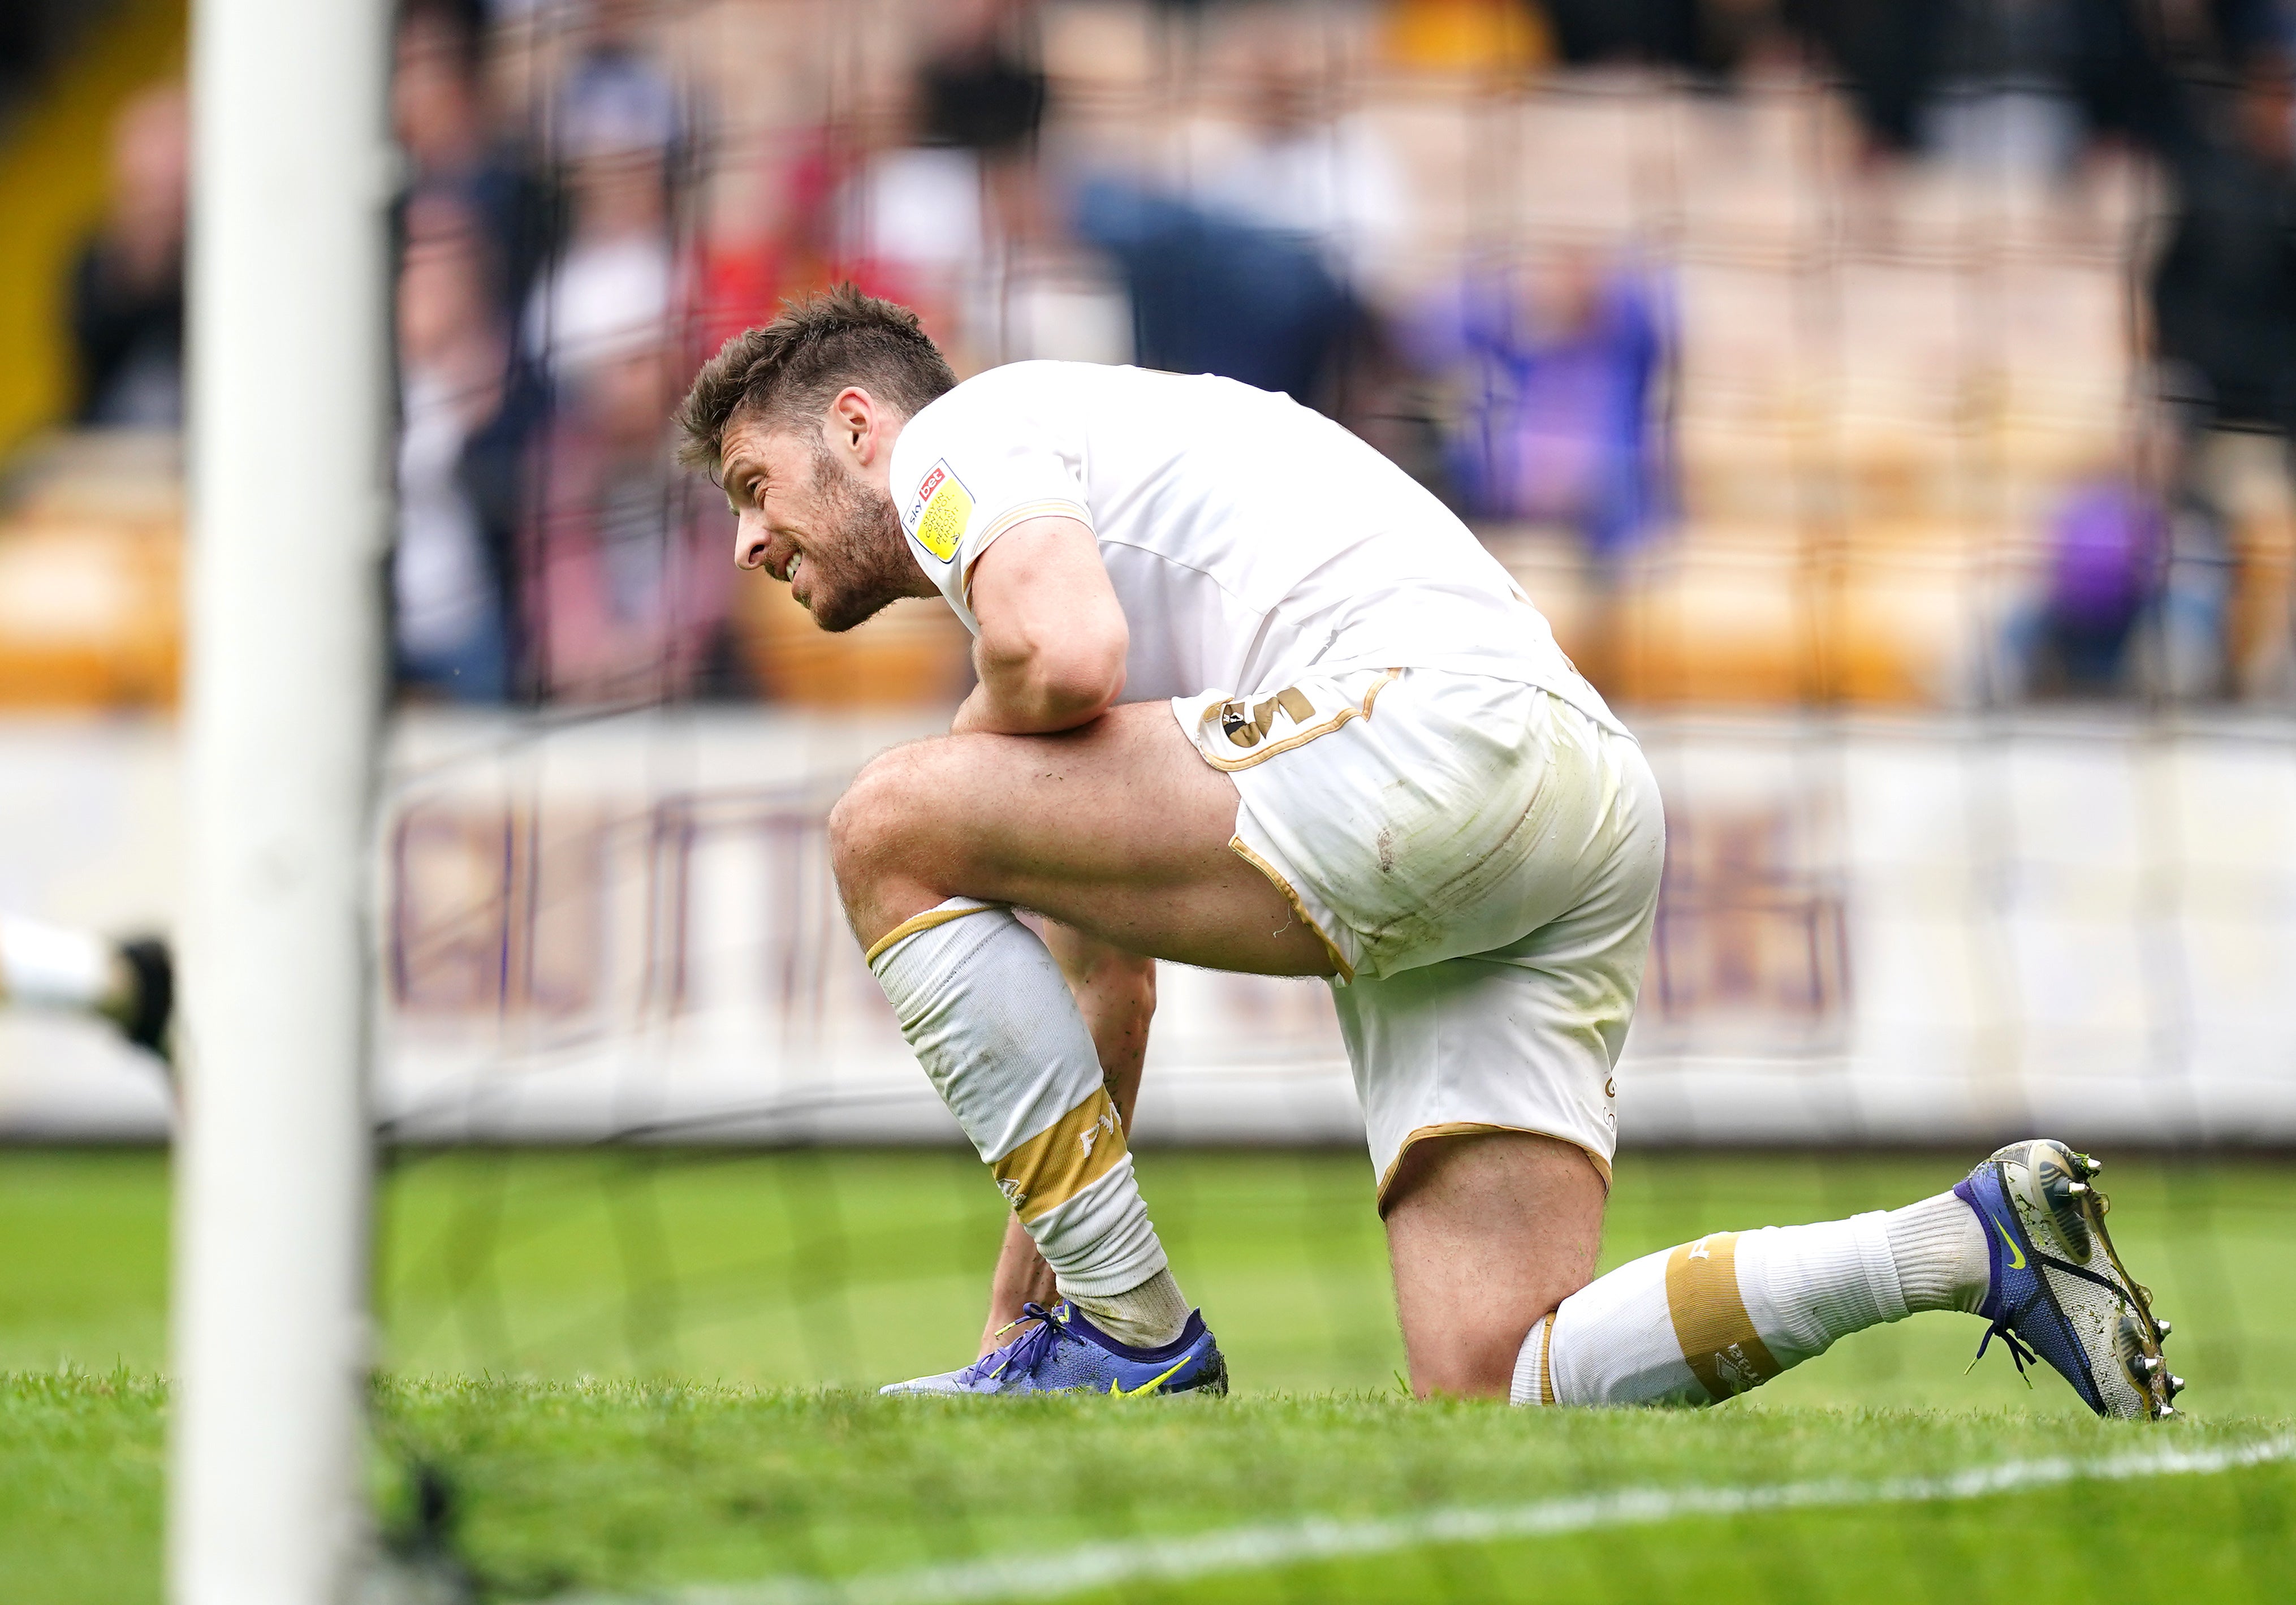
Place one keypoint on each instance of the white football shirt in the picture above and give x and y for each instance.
(1250, 541)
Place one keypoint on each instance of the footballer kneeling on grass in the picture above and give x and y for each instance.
(1251, 699)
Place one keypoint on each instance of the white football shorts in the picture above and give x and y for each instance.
(1482, 861)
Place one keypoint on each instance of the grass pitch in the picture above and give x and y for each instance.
(636, 1373)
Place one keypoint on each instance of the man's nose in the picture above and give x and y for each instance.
(749, 548)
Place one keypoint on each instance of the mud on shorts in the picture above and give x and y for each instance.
(1482, 861)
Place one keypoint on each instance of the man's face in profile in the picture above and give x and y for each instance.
(810, 518)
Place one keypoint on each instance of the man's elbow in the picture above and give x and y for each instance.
(1080, 681)
(1083, 687)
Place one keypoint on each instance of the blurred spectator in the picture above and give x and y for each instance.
(2224, 293)
(2025, 83)
(612, 283)
(616, 95)
(2021, 82)
(2224, 329)
(761, 237)
(1257, 267)
(1713, 38)
(623, 589)
(915, 228)
(632, 577)
(2108, 544)
(462, 423)
(613, 132)
(1587, 31)
(1554, 375)
(128, 285)
(955, 187)
(1295, 164)
(444, 122)
(1212, 294)
(981, 87)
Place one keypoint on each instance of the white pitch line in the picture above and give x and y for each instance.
(1180, 1560)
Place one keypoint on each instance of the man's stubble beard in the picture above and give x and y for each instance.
(867, 566)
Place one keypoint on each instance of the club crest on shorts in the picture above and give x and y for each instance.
(940, 511)
(1246, 723)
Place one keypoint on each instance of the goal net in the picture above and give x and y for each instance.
(1844, 445)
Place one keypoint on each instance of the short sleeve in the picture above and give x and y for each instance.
(966, 470)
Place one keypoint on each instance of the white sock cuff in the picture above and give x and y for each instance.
(1529, 1386)
(939, 914)
(1614, 1342)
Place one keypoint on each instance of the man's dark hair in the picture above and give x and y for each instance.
(790, 369)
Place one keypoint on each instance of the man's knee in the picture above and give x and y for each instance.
(874, 827)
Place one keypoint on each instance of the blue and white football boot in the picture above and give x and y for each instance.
(2059, 1291)
(1061, 1352)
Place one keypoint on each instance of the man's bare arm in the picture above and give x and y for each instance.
(1052, 635)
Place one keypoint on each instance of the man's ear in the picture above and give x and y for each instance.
(853, 416)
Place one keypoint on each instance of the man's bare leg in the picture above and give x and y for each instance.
(1487, 1233)
(1115, 992)
(1118, 831)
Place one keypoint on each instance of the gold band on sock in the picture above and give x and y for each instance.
(1064, 1159)
(1546, 1360)
(1717, 1337)
(939, 915)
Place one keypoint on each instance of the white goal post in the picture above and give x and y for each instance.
(288, 397)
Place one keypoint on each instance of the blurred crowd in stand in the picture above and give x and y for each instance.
(598, 191)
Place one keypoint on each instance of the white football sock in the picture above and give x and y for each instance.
(1940, 1254)
(53, 967)
(993, 1024)
(1713, 1318)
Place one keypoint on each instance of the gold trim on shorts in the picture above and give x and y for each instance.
(1710, 1322)
(923, 921)
(1476, 1128)
(1235, 843)
(1064, 1159)
(1547, 1361)
(1290, 701)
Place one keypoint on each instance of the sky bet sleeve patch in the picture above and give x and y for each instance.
(941, 511)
